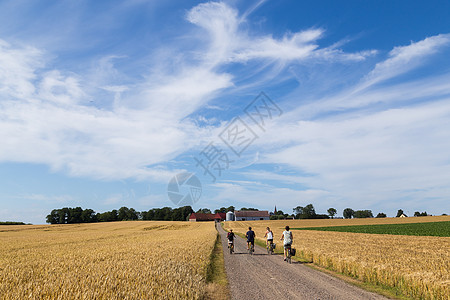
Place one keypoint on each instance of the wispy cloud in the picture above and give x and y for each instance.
(89, 125)
(17, 70)
(404, 58)
(229, 43)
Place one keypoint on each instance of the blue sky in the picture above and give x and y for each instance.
(103, 102)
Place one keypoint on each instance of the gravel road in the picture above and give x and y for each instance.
(263, 276)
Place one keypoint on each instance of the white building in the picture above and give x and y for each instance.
(230, 216)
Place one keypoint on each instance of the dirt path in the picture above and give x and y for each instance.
(263, 276)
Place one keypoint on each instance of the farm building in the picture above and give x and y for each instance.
(220, 217)
(249, 215)
(195, 217)
(230, 216)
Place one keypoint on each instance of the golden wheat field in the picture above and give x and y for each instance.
(417, 266)
(119, 260)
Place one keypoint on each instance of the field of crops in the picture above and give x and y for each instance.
(421, 229)
(417, 266)
(120, 260)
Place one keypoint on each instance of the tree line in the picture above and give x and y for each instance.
(308, 212)
(72, 215)
(13, 223)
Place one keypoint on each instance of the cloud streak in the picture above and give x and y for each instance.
(87, 125)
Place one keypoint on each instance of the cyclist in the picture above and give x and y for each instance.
(269, 236)
(230, 237)
(250, 238)
(287, 237)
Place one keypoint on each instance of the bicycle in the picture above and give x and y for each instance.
(251, 249)
(231, 247)
(270, 248)
(288, 256)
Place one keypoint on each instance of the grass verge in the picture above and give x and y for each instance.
(216, 277)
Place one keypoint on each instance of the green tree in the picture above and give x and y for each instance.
(348, 213)
(332, 212)
(307, 212)
(399, 213)
(113, 216)
(74, 215)
(230, 208)
(123, 213)
(88, 216)
(186, 212)
(204, 211)
(363, 214)
(249, 209)
(419, 214)
(280, 213)
(133, 214)
(53, 217)
(381, 215)
(63, 215)
(181, 213)
(220, 210)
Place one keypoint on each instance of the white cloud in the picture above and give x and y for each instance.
(366, 93)
(60, 89)
(404, 58)
(93, 125)
(229, 43)
(17, 70)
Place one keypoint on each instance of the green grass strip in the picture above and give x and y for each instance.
(417, 229)
(216, 277)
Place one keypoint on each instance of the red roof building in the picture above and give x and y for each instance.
(195, 217)
(220, 216)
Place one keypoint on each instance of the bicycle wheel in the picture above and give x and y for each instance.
(231, 249)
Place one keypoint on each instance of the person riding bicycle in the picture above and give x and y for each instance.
(287, 237)
(230, 237)
(250, 238)
(269, 236)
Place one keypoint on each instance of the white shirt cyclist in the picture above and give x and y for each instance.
(287, 237)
